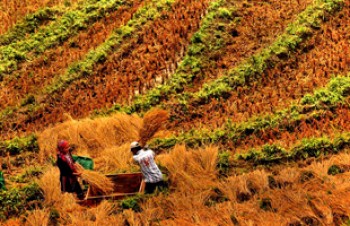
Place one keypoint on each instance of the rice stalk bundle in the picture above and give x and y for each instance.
(125, 128)
(38, 217)
(292, 202)
(152, 122)
(47, 141)
(97, 181)
(102, 212)
(258, 181)
(50, 185)
(190, 169)
(131, 217)
(90, 135)
(115, 159)
(67, 205)
(12, 222)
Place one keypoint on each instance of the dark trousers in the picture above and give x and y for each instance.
(151, 187)
(70, 184)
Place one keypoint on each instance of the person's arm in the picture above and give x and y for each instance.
(72, 165)
(77, 174)
(153, 153)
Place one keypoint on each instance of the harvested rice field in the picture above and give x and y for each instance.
(246, 105)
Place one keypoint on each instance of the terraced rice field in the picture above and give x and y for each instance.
(257, 94)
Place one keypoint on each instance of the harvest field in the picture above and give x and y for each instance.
(256, 95)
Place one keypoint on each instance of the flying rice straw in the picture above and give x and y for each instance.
(98, 182)
(152, 122)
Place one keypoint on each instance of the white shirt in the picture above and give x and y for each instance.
(149, 168)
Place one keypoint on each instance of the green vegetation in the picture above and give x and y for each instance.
(18, 145)
(29, 24)
(28, 175)
(224, 163)
(85, 67)
(204, 45)
(16, 201)
(312, 147)
(334, 170)
(335, 92)
(132, 202)
(55, 33)
(295, 34)
(311, 106)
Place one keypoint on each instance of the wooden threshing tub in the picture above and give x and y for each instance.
(125, 184)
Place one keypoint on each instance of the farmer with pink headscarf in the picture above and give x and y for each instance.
(68, 170)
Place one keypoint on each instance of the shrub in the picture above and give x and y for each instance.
(224, 163)
(132, 203)
(15, 201)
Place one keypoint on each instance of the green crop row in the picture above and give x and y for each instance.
(208, 39)
(311, 106)
(55, 33)
(28, 175)
(271, 154)
(18, 145)
(85, 67)
(29, 24)
(295, 33)
(311, 147)
(284, 45)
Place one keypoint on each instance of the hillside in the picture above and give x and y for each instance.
(257, 94)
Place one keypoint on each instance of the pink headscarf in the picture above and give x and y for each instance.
(62, 145)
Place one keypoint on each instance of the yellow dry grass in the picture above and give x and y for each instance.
(239, 187)
(114, 159)
(100, 215)
(97, 181)
(38, 217)
(13, 222)
(50, 185)
(153, 121)
(90, 136)
(321, 199)
(189, 207)
(131, 218)
(190, 169)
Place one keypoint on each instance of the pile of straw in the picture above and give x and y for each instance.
(97, 181)
(50, 185)
(152, 122)
(125, 128)
(190, 170)
(114, 160)
(90, 136)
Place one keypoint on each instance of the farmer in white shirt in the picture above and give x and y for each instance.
(150, 171)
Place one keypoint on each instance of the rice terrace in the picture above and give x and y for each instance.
(246, 104)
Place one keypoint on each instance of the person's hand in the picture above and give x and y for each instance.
(77, 174)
